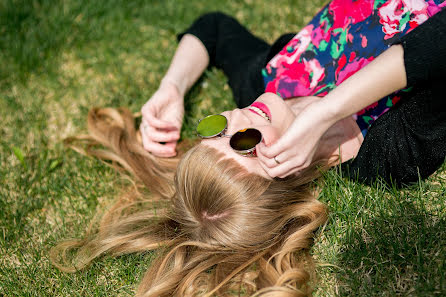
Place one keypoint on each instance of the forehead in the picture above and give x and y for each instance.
(250, 163)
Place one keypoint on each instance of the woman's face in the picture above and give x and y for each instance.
(238, 119)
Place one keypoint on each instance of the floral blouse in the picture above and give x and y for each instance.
(342, 38)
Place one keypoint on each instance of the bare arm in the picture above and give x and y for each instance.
(383, 76)
(189, 62)
(296, 148)
(162, 114)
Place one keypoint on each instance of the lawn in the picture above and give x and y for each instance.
(59, 58)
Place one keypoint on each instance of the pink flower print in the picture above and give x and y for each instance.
(361, 112)
(271, 87)
(352, 57)
(395, 99)
(316, 70)
(434, 8)
(350, 68)
(300, 91)
(341, 63)
(303, 41)
(295, 75)
(363, 41)
(371, 106)
(392, 15)
(350, 11)
(298, 72)
(300, 79)
(350, 37)
(319, 34)
(290, 48)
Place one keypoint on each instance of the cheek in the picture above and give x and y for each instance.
(270, 134)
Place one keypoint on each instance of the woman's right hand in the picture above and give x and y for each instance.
(162, 118)
(294, 151)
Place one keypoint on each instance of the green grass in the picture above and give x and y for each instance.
(60, 58)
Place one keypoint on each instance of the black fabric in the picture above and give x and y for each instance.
(406, 143)
(236, 51)
(409, 141)
(425, 50)
(278, 45)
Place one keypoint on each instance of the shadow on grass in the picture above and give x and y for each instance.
(400, 252)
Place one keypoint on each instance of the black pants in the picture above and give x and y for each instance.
(407, 142)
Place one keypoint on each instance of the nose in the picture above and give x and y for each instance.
(237, 121)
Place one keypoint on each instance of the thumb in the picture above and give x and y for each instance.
(270, 151)
(158, 123)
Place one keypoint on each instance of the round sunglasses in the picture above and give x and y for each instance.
(242, 142)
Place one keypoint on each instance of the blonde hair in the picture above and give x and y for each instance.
(221, 229)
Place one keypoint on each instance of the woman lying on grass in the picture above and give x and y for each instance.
(224, 224)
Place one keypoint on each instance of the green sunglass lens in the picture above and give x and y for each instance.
(211, 125)
(245, 139)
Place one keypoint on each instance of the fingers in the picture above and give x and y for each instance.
(157, 123)
(149, 112)
(271, 151)
(270, 155)
(264, 160)
(160, 136)
(282, 170)
(161, 150)
(280, 165)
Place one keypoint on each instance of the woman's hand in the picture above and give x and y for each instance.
(162, 118)
(295, 150)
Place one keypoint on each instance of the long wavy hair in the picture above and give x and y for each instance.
(220, 230)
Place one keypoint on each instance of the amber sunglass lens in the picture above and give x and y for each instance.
(211, 125)
(245, 139)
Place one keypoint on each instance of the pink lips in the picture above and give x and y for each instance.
(262, 107)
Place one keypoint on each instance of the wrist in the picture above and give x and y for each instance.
(329, 112)
(174, 85)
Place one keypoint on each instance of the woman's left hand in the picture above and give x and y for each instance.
(295, 150)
